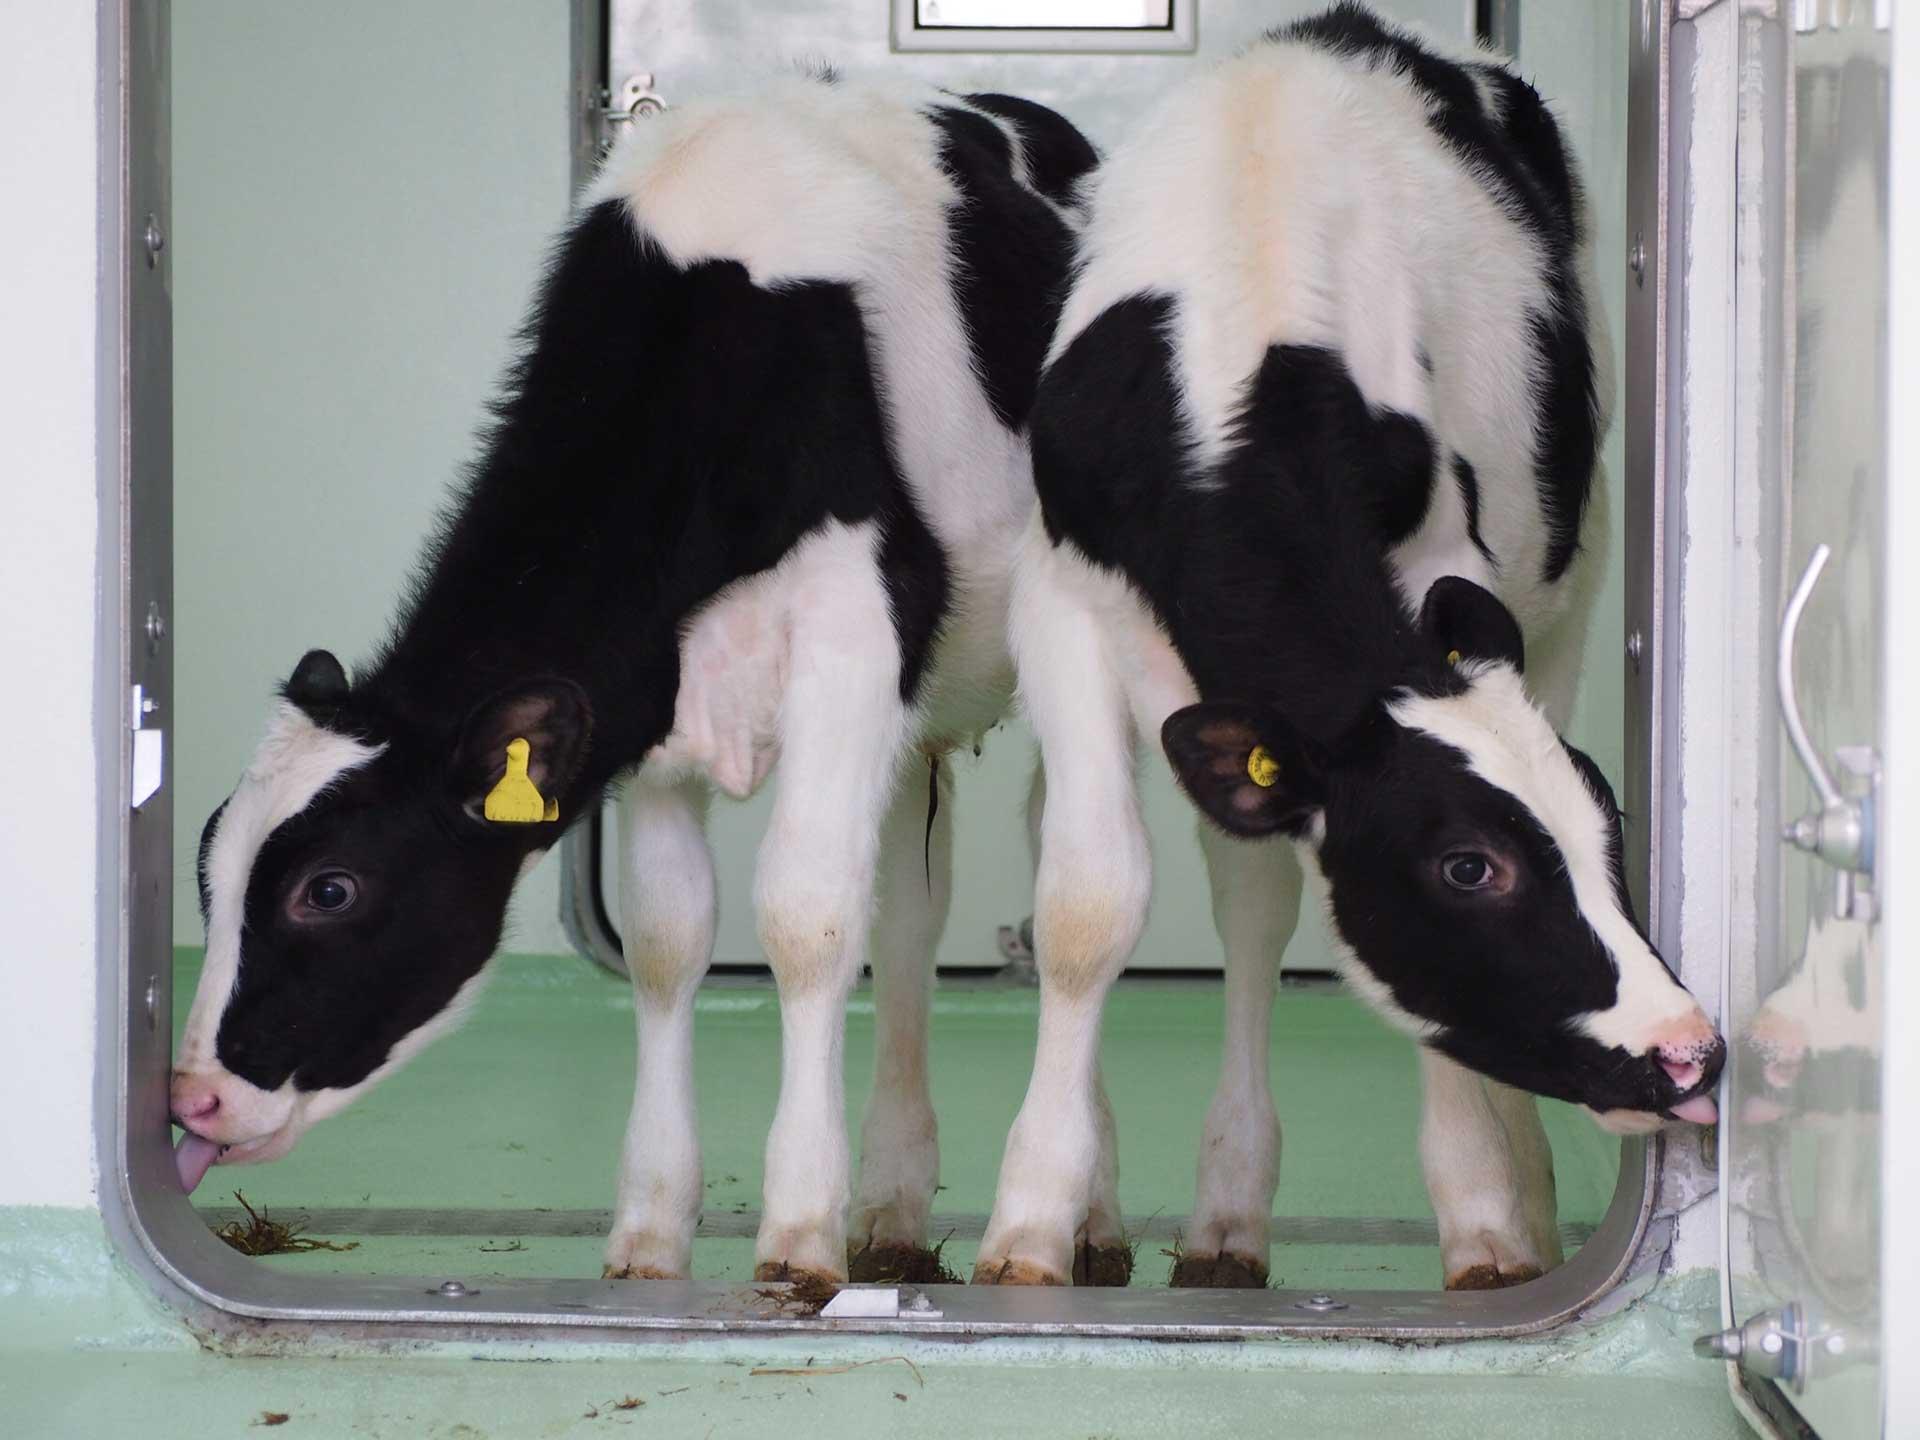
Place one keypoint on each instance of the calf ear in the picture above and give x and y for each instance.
(1459, 619)
(1245, 767)
(552, 716)
(318, 685)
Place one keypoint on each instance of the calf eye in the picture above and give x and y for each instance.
(1466, 870)
(332, 892)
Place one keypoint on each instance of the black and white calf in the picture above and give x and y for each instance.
(1323, 389)
(752, 498)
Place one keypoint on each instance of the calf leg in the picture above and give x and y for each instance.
(1256, 905)
(1090, 903)
(843, 732)
(899, 1145)
(667, 921)
(1103, 1256)
(1489, 1174)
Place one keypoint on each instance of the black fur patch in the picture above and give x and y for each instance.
(1058, 156)
(1005, 242)
(1468, 484)
(1271, 577)
(1516, 151)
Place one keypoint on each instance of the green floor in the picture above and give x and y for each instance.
(495, 1152)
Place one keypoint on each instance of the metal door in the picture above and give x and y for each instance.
(1801, 1152)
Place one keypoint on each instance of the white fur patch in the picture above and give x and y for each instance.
(295, 762)
(1508, 743)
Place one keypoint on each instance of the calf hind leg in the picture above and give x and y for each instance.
(667, 922)
(1256, 905)
(899, 1144)
(1489, 1173)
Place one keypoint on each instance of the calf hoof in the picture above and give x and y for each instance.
(807, 1292)
(1106, 1265)
(903, 1264)
(644, 1255)
(1218, 1272)
(1015, 1272)
(1493, 1277)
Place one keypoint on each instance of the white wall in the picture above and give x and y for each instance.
(363, 194)
(47, 603)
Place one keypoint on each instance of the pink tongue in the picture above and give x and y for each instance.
(1700, 1110)
(192, 1157)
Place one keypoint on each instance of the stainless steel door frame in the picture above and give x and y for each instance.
(249, 1306)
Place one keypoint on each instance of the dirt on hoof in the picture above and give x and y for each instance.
(1105, 1265)
(1217, 1272)
(1013, 1272)
(634, 1272)
(900, 1264)
(807, 1292)
(1492, 1277)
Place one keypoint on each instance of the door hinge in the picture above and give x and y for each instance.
(149, 749)
(1785, 1346)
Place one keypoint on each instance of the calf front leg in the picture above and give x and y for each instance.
(1256, 905)
(1489, 1174)
(667, 906)
(899, 1143)
(1090, 904)
(843, 730)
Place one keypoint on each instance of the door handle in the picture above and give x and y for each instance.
(1840, 829)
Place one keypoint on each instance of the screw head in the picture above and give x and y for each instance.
(156, 627)
(453, 1289)
(155, 239)
(1637, 258)
(1636, 647)
(153, 1002)
(1320, 1303)
(1772, 1343)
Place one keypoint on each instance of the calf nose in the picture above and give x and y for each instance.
(195, 1098)
(1692, 1054)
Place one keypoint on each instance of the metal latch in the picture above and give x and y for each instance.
(1783, 1346)
(149, 749)
(1840, 831)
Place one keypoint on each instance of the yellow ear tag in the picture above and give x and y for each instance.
(515, 800)
(1262, 768)
(1453, 657)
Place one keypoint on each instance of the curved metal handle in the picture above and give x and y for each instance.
(1789, 704)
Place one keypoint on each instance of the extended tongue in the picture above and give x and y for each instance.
(1700, 1110)
(192, 1157)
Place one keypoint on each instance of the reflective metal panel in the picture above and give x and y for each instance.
(1804, 1111)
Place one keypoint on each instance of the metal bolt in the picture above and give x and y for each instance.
(1637, 258)
(1635, 647)
(153, 1002)
(156, 627)
(1772, 1342)
(454, 1290)
(156, 241)
(1836, 1345)
(1321, 1303)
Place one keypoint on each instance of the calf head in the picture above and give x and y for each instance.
(352, 890)
(1473, 868)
